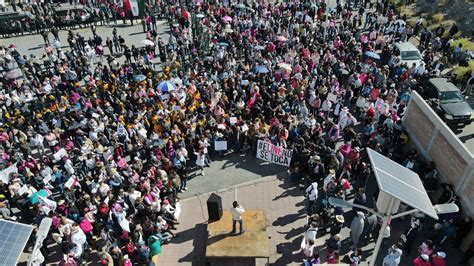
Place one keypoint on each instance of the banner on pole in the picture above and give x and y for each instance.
(273, 154)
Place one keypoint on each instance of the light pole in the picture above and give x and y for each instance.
(440, 209)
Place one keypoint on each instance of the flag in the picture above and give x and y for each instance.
(121, 130)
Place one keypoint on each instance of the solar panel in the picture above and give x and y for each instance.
(401, 182)
(13, 238)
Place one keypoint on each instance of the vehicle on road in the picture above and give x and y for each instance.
(408, 53)
(447, 101)
(73, 16)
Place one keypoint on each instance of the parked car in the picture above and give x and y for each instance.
(81, 15)
(447, 101)
(408, 53)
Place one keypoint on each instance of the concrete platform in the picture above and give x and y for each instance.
(253, 243)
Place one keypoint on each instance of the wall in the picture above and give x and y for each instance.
(438, 143)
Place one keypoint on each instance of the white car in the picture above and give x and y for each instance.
(409, 54)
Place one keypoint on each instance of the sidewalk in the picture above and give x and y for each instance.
(282, 202)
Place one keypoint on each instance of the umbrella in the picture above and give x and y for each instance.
(281, 38)
(227, 18)
(223, 44)
(71, 75)
(284, 66)
(261, 69)
(11, 75)
(166, 86)
(200, 16)
(139, 78)
(258, 47)
(372, 55)
(147, 42)
(41, 193)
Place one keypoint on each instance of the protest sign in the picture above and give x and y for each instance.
(245, 127)
(22, 190)
(233, 120)
(71, 182)
(221, 126)
(332, 97)
(273, 154)
(220, 145)
(5, 173)
(60, 154)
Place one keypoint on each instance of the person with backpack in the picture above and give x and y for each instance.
(312, 195)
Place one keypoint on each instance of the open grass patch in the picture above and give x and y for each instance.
(446, 23)
(460, 71)
(438, 17)
(466, 44)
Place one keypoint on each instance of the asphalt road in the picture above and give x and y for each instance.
(133, 35)
(466, 134)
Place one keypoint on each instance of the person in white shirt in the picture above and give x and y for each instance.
(312, 194)
(312, 232)
(237, 212)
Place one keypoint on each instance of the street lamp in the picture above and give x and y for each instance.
(439, 208)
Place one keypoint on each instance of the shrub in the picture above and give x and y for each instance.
(438, 17)
(460, 71)
(466, 44)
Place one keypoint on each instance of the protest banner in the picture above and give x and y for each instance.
(220, 145)
(273, 154)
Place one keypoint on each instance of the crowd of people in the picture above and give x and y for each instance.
(104, 148)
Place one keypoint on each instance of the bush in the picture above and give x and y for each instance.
(438, 17)
(466, 44)
(460, 71)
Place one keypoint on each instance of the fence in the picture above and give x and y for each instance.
(438, 143)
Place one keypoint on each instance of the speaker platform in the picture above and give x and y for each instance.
(252, 244)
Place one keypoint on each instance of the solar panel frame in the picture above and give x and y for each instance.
(403, 184)
(13, 239)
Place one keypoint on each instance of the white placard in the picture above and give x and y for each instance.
(233, 120)
(47, 179)
(273, 154)
(332, 97)
(177, 210)
(220, 145)
(70, 183)
(22, 190)
(5, 173)
(164, 97)
(60, 154)
(245, 127)
(221, 126)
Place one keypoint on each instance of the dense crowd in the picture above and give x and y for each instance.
(104, 148)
